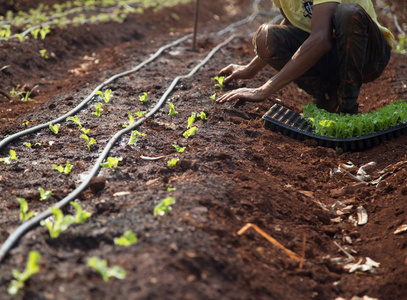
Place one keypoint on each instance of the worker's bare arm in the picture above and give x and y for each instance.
(318, 44)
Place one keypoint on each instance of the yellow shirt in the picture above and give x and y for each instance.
(299, 13)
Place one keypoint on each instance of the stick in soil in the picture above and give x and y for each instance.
(304, 241)
(289, 253)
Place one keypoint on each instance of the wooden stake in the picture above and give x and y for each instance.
(195, 25)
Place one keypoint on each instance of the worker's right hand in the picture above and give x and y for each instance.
(233, 72)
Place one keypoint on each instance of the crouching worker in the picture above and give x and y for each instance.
(328, 47)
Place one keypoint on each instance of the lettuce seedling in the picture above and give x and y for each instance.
(101, 266)
(190, 132)
(60, 223)
(163, 207)
(112, 162)
(89, 142)
(24, 213)
(213, 97)
(131, 120)
(202, 115)
(85, 131)
(172, 109)
(9, 159)
(140, 113)
(128, 238)
(179, 149)
(35, 33)
(54, 128)
(27, 144)
(133, 137)
(31, 268)
(25, 123)
(143, 97)
(80, 214)
(170, 189)
(97, 112)
(44, 53)
(106, 96)
(21, 37)
(220, 80)
(44, 31)
(75, 119)
(44, 195)
(173, 162)
(61, 169)
(191, 120)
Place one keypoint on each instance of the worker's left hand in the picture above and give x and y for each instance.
(252, 95)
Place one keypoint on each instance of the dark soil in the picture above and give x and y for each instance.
(233, 172)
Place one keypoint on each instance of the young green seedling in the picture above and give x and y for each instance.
(27, 95)
(140, 113)
(106, 96)
(172, 109)
(173, 162)
(213, 97)
(44, 195)
(21, 37)
(97, 107)
(61, 169)
(26, 123)
(9, 159)
(80, 214)
(190, 132)
(35, 33)
(170, 189)
(75, 119)
(44, 31)
(44, 53)
(101, 266)
(27, 144)
(89, 141)
(163, 207)
(85, 131)
(202, 115)
(179, 149)
(143, 97)
(220, 80)
(24, 213)
(128, 238)
(191, 120)
(133, 137)
(131, 120)
(60, 223)
(31, 268)
(112, 162)
(54, 128)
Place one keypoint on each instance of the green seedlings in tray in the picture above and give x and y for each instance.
(163, 207)
(61, 169)
(190, 132)
(60, 223)
(172, 109)
(140, 113)
(54, 128)
(97, 112)
(173, 162)
(131, 120)
(213, 97)
(44, 195)
(89, 141)
(75, 119)
(80, 214)
(112, 162)
(191, 120)
(143, 97)
(101, 266)
(8, 160)
(128, 238)
(133, 137)
(105, 96)
(179, 149)
(31, 268)
(202, 115)
(24, 213)
(348, 126)
(220, 80)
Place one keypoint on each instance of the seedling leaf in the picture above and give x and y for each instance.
(173, 162)
(75, 119)
(172, 109)
(112, 162)
(24, 213)
(179, 149)
(190, 132)
(191, 120)
(163, 207)
(60, 223)
(128, 238)
(54, 128)
(44, 195)
(143, 97)
(213, 97)
(101, 266)
(30, 269)
(220, 80)
(80, 214)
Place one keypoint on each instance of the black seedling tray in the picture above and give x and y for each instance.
(290, 123)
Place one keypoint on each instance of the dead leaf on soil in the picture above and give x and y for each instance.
(368, 266)
(401, 229)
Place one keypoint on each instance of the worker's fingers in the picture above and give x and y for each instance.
(229, 78)
(226, 71)
(227, 97)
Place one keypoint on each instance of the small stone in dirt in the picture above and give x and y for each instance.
(97, 184)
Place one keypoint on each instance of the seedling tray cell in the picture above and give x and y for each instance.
(289, 123)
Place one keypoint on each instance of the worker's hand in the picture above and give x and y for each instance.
(252, 95)
(233, 72)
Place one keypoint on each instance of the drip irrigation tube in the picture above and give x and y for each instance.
(25, 227)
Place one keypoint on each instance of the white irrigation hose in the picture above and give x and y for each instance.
(25, 227)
